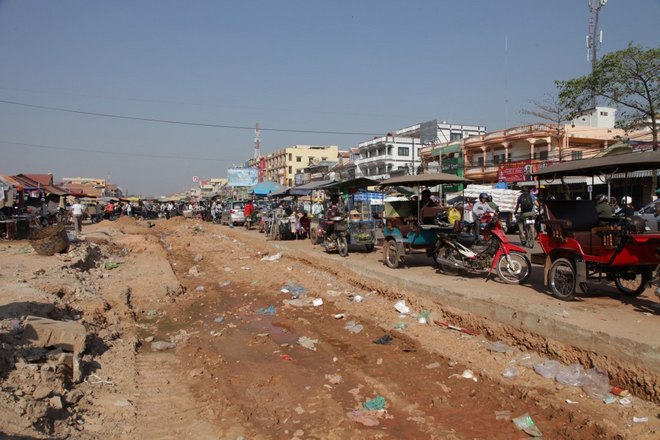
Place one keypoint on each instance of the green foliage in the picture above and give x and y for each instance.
(628, 80)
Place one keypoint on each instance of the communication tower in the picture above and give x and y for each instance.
(595, 37)
(257, 142)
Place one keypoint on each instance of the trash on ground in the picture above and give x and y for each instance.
(608, 400)
(596, 383)
(298, 302)
(526, 359)
(317, 302)
(401, 307)
(286, 357)
(423, 317)
(308, 343)
(467, 374)
(339, 316)
(219, 319)
(433, 365)
(384, 340)
(619, 392)
(502, 415)
(548, 368)
(162, 345)
(375, 404)
(526, 424)
(573, 375)
(400, 326)
(270, 310)
(626, 401)
(224, 284)
(357, 298)
(510, 371)
(457, 328)
(296, 290)
(366, 418)
(353, 326)
(275, 257)
(334, 378)
(499, 347)
(109, 265)
(640, 419)
(571, 401)
(199, 288)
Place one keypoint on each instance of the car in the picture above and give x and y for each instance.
(233, 213)
(651, 213)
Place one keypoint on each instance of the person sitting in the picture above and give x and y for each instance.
(427, 201)
(603, 207)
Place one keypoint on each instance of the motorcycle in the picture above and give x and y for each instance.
(332, 232)
(457, 251)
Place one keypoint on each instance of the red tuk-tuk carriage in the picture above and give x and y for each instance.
(579, 247)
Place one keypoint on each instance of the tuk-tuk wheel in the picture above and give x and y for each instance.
(561, 278)
(391, 254)
(370, 247)
(632, 286)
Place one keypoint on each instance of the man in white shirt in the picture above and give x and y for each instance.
(77, 212)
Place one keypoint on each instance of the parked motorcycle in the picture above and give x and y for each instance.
(457, 251)
(332, 232)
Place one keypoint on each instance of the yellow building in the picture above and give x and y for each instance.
(282, 165)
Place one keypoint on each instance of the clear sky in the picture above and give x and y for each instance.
(340, 66)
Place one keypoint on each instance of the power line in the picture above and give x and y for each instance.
(117, 153)
(196, 124)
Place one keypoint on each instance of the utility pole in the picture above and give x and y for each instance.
(595, 38)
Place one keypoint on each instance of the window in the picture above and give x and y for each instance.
(455, 136)
(403, 151)
(576, 155)
(498, 159)
(324, 158)
(543, 155)
(290, 171)
(298, 158)
(290, 157)
(603, 113)
(480, 161)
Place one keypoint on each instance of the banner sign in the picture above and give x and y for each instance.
(520, 171)
(242, 176)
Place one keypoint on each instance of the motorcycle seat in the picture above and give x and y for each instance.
(466, 239)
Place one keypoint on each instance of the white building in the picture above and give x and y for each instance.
(398, 153)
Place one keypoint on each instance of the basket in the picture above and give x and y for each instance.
(341, 226)
(49, 240)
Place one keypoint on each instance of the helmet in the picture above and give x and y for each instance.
(601, 198)
(627, 200)
(483, 196)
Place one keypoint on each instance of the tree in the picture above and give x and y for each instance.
(628, 79)
(553, 111)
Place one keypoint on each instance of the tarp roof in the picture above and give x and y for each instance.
(306, 189)
(430, 179)
(360, 182)
(265, 188)
(603, 165)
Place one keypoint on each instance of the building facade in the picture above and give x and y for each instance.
(282, 165)
(399, 152)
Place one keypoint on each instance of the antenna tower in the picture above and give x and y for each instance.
(594, 38)
(257, 142)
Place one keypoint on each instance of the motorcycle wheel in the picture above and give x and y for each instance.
(342, 246)
(445, 268)
(391, 254)
(312, 236)
(561, 279)
(632, 287)
(516, 273)
(530, 236)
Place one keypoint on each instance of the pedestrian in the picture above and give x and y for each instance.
(43, 212)
(603, 208)
(77, 212)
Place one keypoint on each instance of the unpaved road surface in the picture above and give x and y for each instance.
(263, 341)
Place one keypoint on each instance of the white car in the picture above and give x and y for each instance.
(233, 213)
(651, 213)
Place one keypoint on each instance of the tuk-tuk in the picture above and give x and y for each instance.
(580, 247)
(410, 227)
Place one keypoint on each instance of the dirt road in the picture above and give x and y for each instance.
(262, 342)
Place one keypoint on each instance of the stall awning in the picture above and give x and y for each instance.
(306, 189)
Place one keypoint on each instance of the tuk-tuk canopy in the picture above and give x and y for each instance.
(620, 163)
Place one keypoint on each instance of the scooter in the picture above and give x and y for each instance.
(457, 251)
(333, 233)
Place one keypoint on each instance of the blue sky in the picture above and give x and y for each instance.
(360, 66)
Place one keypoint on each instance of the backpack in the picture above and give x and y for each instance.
(526, 203)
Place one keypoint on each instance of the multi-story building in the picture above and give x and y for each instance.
(282, 165)
(90, 186)
(512, 155)
(399, 152)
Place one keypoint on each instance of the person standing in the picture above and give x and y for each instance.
(43, 212)
(77, 213)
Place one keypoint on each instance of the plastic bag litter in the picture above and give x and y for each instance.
(499, 347)
(270, 310)
(573, 375)
(525, 423)
(275, 257)
(510, 371)
(548, 368)
(162, 345)
(367, 418)
(402, 308)
(375, 404)
(296, 290)
(527, 360)
(596, 383)
(354, 327)
(308, 343)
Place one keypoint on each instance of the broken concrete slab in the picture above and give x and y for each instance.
(67, 335)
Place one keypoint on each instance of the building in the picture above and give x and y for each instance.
(399, 152)
(282, 165)
(90, 186)
(513, 154)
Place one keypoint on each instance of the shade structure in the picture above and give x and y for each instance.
(265, 188)
(430, 179)
(306, 189)
(346, 185)
(620, 163)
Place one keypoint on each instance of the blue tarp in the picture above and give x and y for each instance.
(265, 188)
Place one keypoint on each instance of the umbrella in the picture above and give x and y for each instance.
(266, 187)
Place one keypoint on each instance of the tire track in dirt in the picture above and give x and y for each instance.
(166, 409)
